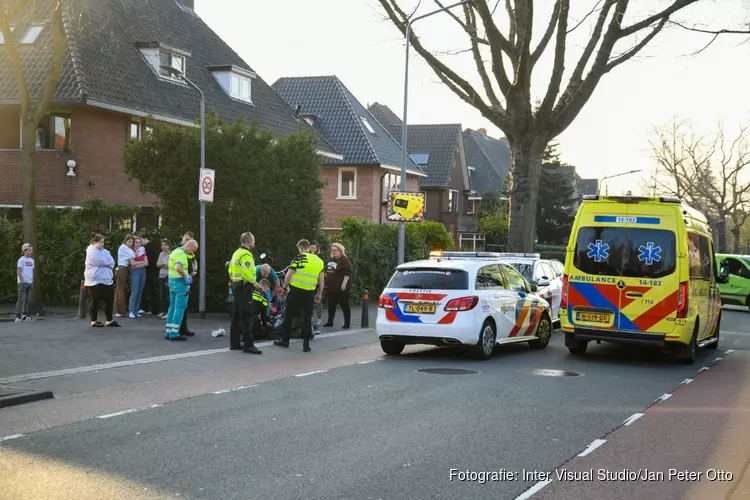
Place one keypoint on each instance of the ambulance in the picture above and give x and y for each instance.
(641, 271)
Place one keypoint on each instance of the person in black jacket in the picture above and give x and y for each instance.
(338, 284)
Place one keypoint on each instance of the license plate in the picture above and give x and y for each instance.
(591, 317)
(420, 308)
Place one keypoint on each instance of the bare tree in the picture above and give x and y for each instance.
(34, 105)
(506, 98)
(712, 175)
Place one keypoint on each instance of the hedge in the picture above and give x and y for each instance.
(551, 252)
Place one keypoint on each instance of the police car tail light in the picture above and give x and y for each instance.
(682, 300)
(462, 304)
(564, 300)
(385, 302)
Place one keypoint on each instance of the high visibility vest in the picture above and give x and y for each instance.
(178, 256)
(260, 297)
(242, 266)
(307, 267)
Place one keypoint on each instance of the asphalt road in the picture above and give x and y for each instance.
(364, 430)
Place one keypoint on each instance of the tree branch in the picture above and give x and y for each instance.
(513, 30)
(472, 34)
(710, 32)
(496, 51)
(558, 67)
(494, 36)
(58, 52)
(471, 22)
(632, 52)
(15, 63)
(547, 34)
(596, 6)
(664, 14)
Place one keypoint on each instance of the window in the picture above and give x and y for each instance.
(240, 88)
(706, 255)
(32, 34)
(490, 278)
(430, 279)
(367, 125)
(348, 183)
(135, 130)
(453, 201)
(391, 182)
(53, 132)
(471, 208)
(421, 159)
(525, 268)
(543, 270)
(516, 282)
(629, 252)
(173, 60)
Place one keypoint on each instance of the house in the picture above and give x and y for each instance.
(586, 187)
(439, 150)
(111, 80)
(488, 160)
(358, 184)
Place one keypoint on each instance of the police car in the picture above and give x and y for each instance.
(470, 299)
(545, 274)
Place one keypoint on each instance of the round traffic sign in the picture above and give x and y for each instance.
(207, 185)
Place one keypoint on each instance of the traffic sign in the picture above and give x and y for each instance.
(207, 183)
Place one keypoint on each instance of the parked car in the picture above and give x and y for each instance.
(736, 291)
(542, 273)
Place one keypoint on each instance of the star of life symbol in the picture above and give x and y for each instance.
(649, 253)
(598, 251)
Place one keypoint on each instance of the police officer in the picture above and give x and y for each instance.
(304, 284)
(179, 289)
(242, 273)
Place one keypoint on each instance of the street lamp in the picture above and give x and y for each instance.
(401, 227)
(598, 191)
(202, 290)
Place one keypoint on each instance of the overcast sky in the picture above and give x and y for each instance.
(352, 40)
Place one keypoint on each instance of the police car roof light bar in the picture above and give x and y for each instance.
(437, 254)
(522, 255)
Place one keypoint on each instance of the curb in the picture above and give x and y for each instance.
(23, 396)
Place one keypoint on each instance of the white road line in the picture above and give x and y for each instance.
(132, 410)
(686, 381)
(531, 491)
(367, 362)
(662, 398)
(729, 351)
(310, 373)
(632, 418)
(107, 366)
(224, 391)
(593, 446)
(8, 438)
(704, 369)
(734, 333)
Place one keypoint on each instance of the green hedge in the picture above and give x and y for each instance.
(552, 252)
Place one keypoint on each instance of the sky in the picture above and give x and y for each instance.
(353, 40)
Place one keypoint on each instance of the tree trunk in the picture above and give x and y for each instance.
(28, 197)
(736, 240)
(526, 164)
(721, 233)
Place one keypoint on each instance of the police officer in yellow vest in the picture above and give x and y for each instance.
(242, 273)
(304, 283)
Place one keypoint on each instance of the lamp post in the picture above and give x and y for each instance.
(598, 191)
(202, 271)
(401, 227)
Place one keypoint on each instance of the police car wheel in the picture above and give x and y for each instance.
(543, 333)
(577, 347)
(392, 347)
(487, 339)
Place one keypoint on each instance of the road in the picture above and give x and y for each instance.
(346, 422)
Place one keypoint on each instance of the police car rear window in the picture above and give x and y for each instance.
(430, 279)
(629, 252)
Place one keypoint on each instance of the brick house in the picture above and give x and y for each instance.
(439, 150)
(357, 185)
(111, 80)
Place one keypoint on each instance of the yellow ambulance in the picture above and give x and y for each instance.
(641, 271)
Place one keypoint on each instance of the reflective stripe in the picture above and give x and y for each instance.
(172, 325)
(242, 272)
(307, 269)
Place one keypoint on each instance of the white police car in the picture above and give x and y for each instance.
(461, 298)
(545, 274)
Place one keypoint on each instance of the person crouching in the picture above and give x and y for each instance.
(260, 307)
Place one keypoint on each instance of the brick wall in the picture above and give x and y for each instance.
(97, 145)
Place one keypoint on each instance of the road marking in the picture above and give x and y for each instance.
(632, 418)
(686, 381)
(8, 438)
(730, 351)
(662, 398)
(125, 412)
(716, 360)
(367, 362)
(704, 369)
(531, 491)
(593, 446)
(734, 333)
(224, 391)
(169, 357)
(310, 373)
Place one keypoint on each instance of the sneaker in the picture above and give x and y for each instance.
(118, 315)
(18, 320)
(28, 318)
(141, 312)
(132, 316)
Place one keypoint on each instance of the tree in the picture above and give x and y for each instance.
(506, 100)
(557, 205)
(34, 103)
(709, 174)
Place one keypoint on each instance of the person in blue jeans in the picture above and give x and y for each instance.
(137, 277)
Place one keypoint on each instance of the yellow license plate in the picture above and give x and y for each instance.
(421, 308)
(593, 317)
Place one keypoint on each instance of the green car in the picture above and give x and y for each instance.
(736, 292)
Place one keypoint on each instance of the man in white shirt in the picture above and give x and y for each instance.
(25, 279)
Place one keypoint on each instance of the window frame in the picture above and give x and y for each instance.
(353, 195)
(172, 55)
(452, 205)
(484, 270)
(508, 269)
(38, 27)
(49, 118)
(236, 92)
(139, 130)
(367, 125)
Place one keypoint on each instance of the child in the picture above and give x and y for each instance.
(25, 278)
(260, 306)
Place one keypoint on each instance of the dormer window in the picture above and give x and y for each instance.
(32, 34)
(171, 59)
(157, 55)
(236, 82)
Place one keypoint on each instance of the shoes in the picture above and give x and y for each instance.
(346, 326)
(28, 318)
(97, 324)
(252, 350)
(280, 343)
(235, 347)
(18, 320)
(132, 316)
(188, 334)
(118, 315)
(328, 325)
(306, 346)
(114, 324)
(141, 312)
(178, 339)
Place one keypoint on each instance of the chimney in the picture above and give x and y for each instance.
(482, 130)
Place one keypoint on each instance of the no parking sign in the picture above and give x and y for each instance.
(206, 187)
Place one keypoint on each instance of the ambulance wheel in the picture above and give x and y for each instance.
(543, 333)
(392, 347)
(686, 354)
(577, 347)
(487, 339)
(715, 345)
